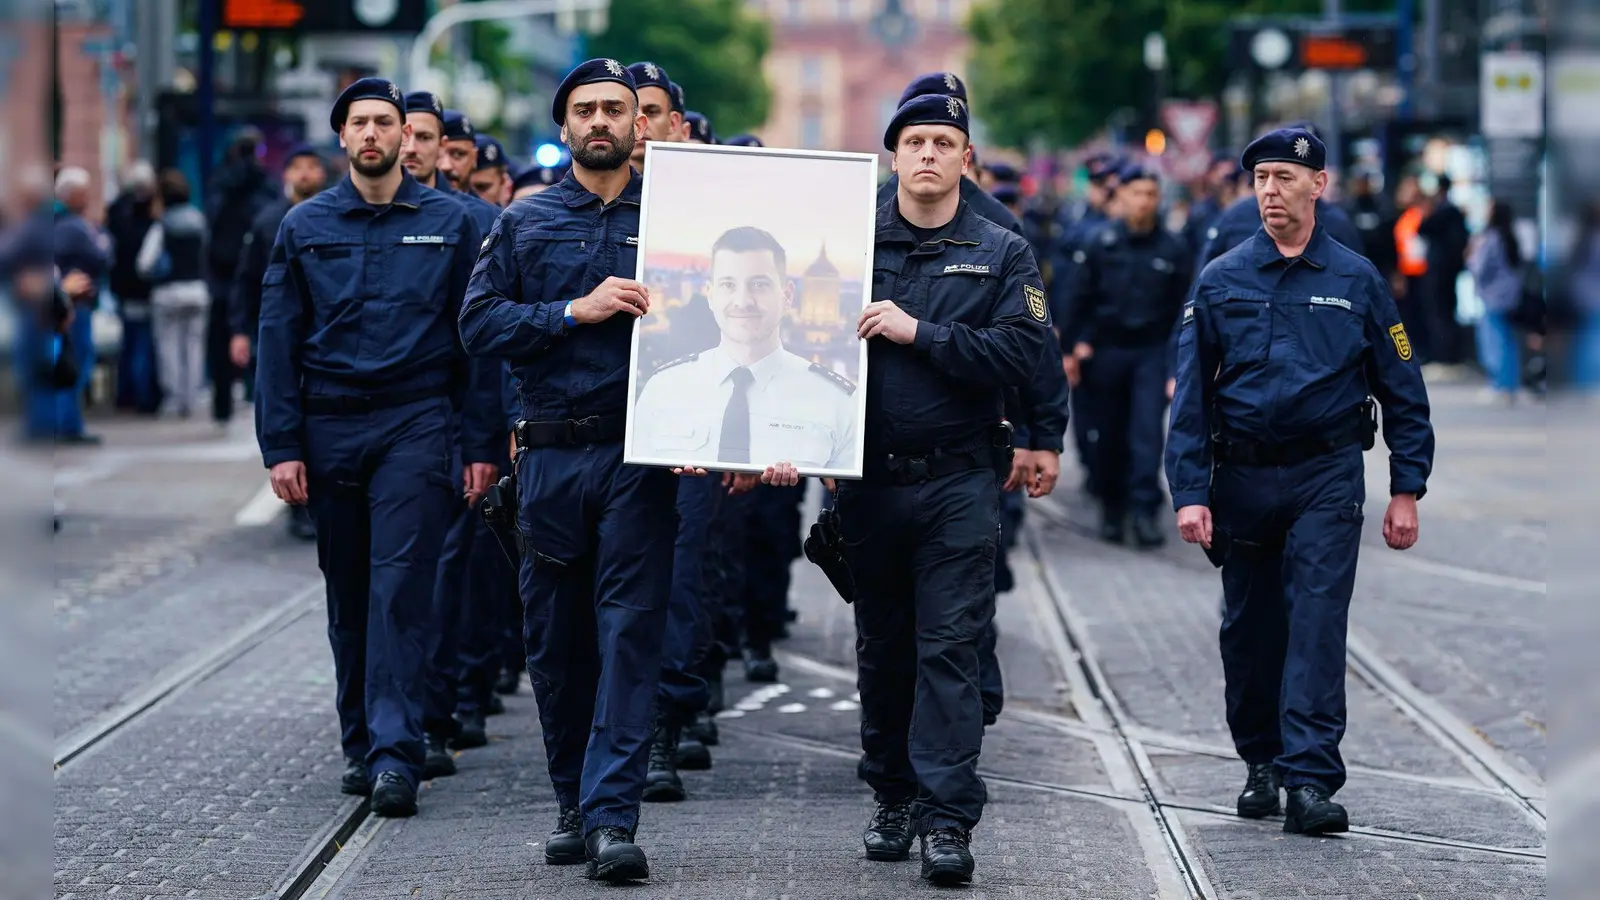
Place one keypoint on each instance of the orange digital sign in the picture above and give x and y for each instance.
(1332, 52)
(246, 15)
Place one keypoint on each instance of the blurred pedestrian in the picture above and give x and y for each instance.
(128, 219)
(1495, 261)
(237, 193)
(1444, 232)
(82, 254)
(172, 259)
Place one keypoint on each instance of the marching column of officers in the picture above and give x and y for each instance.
(431, 331)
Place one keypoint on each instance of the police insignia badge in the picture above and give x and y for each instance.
(1036, 303)
(951, 82)
(1302, 147)
(1402, 344)
(613, 67)
(651, 72)
(954, 107)
(489, 152)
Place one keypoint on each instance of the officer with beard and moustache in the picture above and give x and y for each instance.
(553, 292)
(304, 175)
(491, 175)
(360, 373)
(459, 153)
(473, 585)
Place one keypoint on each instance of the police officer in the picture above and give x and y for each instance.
(1285, 336)
(663, 120)
(533, 180)
(948, 84)
(553, 292)
(698, 128)
(359, 369)
(1236, 224)
(676, 90)
(490, 178)
(459, 155)
(304, 175)
(1122, 303)
(958, 317)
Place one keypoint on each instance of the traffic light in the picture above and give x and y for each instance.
(1155, 142)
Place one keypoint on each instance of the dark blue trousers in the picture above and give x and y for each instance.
(726, 569)
(991, 682)
(1128, 386)
(380, 488)
(683, 684)
(452, 611)
(1084, 434)
(923, 561)
(1296, 532)
(595, 582)
(771, 546)
(137, 385)
(491, 602)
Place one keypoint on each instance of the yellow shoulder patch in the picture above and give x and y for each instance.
(1402, 344)
(1036, 302)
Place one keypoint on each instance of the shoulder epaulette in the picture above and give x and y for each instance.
(675, 362)
(834, 378)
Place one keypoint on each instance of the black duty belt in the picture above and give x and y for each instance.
(904, 470)
(354, 405)
(1244, 453)
(590, 430)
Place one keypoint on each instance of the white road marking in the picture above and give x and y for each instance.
(261, 510)
(731, 714)
(820, 693)
(792, 708)
(844, 705)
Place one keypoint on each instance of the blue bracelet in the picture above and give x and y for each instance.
(568, 319)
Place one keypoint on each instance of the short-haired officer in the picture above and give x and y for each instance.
(676, 90)
(473, 589)
(1122, 304)
(662, 116)
(553, 292)
(360, 371)
(1237, 223)
(1285, 336)
(958, 317)
(459, 154)
(535, 179)
(699, 128)
(490, 178)
(948, 84)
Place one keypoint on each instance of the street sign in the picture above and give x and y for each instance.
(325, 16)
(1512, 95)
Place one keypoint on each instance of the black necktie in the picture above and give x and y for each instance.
(736, 419)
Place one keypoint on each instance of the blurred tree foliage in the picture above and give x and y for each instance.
(712, 48)
(1056, 69)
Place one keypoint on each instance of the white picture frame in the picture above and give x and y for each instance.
(792, 229)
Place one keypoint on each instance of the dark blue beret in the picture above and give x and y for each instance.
(422, 101)
(535, 175)
(1133, 171)
(490, 153)
(299, 150)
(1003, 173)
(945, 83)
(457, 127)
(1291, 145)
(593, 71)
(1006, 193)
(1101, 164)
(928, 109)
(744, 140)
(676, 93)
(648, 74)
(365, 89)
(699, 127)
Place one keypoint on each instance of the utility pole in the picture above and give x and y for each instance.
(1333, 11)
(487, 10)
(205, 94)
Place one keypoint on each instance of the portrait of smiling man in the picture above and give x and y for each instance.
(769, 404)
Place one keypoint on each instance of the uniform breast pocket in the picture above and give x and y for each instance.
(1244, 325)
(423, 268)
(804, 442)
(1328, 332)
(332, 268)
(626, 255)
(673, 436)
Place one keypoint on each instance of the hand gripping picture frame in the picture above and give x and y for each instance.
(758, 263)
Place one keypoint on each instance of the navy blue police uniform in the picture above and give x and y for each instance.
(921, 529)
(1276, 357)
(599, 535)
(1124, 300)
(359, 371)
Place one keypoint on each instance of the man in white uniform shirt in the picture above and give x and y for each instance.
(769, 403)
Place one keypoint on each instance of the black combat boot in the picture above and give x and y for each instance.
(1311, 812)
(356, 779)
(661, 783)
(1260, 795)
(1147, 533)
(393, 797)
(1111, 527)
(507, 682)
(703, 730)
(888, 835)
(495, 706)
(946, 857)
(473, 733)
(438, 763)
(565, 847)
(614, 857)
(759, 666)
(692, 753)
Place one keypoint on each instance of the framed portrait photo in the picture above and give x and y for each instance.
(758, 262)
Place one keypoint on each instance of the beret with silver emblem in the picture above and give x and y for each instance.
(423, 101)
(457, 127)
(1133, 171)
(648, 74)
(299, 150)
(594, 71)
(1003, 173)
(744, 140)
(700, 127)
(490, 153)
(535, 175)
(1290, 145)
(675, 91)
(1006, 193)
(366, 89)
(928, 109)
(945, 83)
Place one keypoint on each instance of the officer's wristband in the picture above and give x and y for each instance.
(567, 316)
